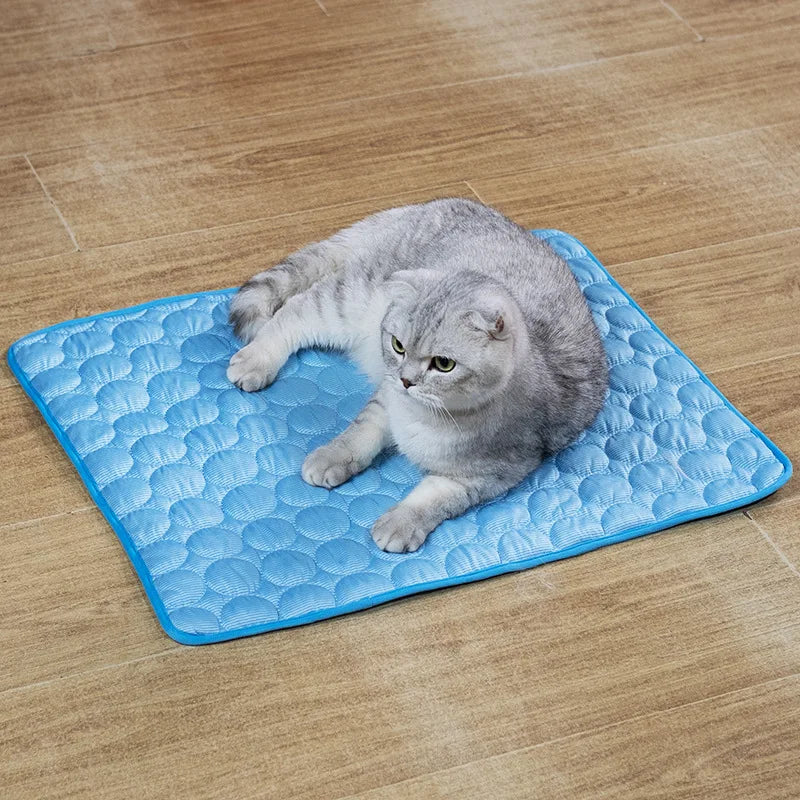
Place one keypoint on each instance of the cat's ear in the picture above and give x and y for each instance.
(494, 324)
(493, 316)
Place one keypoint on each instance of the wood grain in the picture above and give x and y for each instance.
(727, 305)
(219, 174)
(36, 30)
(713, 18)
(352, 704)
(769, 393)
(29, 225)
(781, 523)
(71, 601)
(663, 199)
(37, 477)
(738, 746)
(136, 272)
(189, 144)
(300, 57)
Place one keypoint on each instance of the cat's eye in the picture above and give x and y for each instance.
(443, 364)
(397, 346)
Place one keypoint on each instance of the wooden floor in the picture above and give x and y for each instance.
(152, 148)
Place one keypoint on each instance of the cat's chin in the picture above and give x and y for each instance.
(434, 405)
(420, 398)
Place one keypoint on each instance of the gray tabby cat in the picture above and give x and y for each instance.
(480, 343)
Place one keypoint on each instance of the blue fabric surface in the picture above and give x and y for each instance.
(201, 481)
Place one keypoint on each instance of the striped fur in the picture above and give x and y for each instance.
(450, 278)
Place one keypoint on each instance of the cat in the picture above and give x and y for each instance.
(483, 352)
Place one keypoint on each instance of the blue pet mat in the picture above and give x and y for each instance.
(202, 481)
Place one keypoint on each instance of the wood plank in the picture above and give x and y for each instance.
(220, 174)
(768, 393)
(42, 29)
(71, 601)
(34, 30)
(727, 305)
(29, 225)
(663, 199)
(302, 58)
(41, 483)
(781, 522)
(122, 276)
(714, 18)
(423, 684)
(741, 745)
(586, 678)
(135, 272)
(518, 34)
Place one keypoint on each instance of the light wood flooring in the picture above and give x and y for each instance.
(152, 148)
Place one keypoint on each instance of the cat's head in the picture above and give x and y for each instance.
(449, 341)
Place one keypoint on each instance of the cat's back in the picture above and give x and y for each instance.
(456, 234)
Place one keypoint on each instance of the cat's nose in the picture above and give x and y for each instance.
(406, 382)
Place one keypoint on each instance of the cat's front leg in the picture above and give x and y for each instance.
(256, 364)
(353, 450)
(304, 320)
(404, 527)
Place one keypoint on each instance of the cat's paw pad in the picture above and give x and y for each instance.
(329, 466)
(251, 369)
(398, 532)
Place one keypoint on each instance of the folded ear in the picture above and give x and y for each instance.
(494, 315)
(494, 325)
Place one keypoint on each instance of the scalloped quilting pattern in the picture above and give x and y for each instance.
(201, 481)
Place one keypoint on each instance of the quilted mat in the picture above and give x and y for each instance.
(201, 481)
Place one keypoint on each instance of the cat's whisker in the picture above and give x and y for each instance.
(449, 414)
(436, 404)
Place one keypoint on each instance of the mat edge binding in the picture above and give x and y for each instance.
(186, 638)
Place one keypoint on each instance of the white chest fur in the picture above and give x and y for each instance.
(427, 440)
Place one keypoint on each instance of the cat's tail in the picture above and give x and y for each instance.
(259, 298)
(252, 306)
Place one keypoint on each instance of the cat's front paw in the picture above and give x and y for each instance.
(399, 531)
(329, 466)
(251, 369)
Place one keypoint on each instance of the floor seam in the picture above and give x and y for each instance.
(124, 48)
(647, 148)
(488, 177)
(473, 190)
(577, 734)
(345, 204)
(783, 557)
(44, 258)
(708, 246)
(54, 204)
(12, 526)
(371, 98)
(759, 361)
(102, 668)
(700, 37)
(284, 215)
